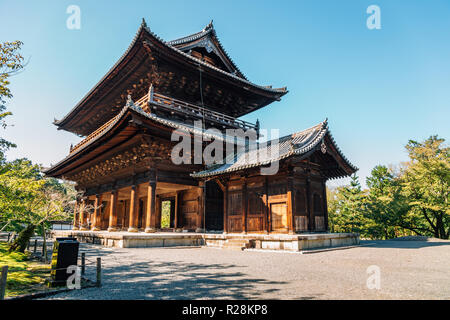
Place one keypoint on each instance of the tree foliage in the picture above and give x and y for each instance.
(412, 201)
(11, 62)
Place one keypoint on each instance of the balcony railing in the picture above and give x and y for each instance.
(189, 109)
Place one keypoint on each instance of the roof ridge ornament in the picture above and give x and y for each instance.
(209, 26)
(130, 102)
(151, 92)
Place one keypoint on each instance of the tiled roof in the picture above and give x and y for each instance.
(130, 106)
(144, 27)
(208, 30)
(298, 143)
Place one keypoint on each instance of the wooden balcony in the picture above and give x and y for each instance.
(155, 100)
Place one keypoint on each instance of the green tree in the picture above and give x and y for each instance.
(27, 198)
(387, 208)
(11, 62)
(346, 208)
(426, 180)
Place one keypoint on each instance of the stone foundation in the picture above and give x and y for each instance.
(296, 242)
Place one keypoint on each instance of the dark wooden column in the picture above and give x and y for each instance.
(150, 218)
(267, 206)
(201, 208)
(113, 211)
(96, 223)
(290, 204)
(134, 204)
(75, 216)
(244, 205)
(82, 215)
(311, 222)
(225, 209)
(175, 212)
(325, 204)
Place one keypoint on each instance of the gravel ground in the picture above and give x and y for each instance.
(408, 269)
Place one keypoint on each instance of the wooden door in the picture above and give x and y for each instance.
(278, 213)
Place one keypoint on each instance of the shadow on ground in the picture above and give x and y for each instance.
(170, 280)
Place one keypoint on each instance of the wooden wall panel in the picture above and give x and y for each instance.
(300, 201)
(235, 211)
(256, 210)
(189, 209)
(301, 223)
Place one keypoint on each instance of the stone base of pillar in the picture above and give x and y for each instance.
(95, 229)
(112, 229)
(199, 230)
(75, 228)
(83, 229)
(150, 230)
(133, 229)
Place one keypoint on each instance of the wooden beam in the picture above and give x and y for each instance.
(309, 210)
(225, 210)
(75, 216)
(113, 211)
(96, 223)
(290, 205)
(325, 204)
(150, 222)
(176, 204)
(201, 208)
(82, 215)
(268, 216)
(133, 210)
(244, 205)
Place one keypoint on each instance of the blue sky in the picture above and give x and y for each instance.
(378, 88)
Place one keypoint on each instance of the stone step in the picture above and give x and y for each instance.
(236, 244)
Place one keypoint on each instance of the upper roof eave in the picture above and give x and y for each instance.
(208, 31)
(143, 28)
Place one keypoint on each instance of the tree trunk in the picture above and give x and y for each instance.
(20, 244)
(4, 227)
(44, 246)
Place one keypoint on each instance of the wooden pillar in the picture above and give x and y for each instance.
(325, 204)
(150, 217)
(175, 219)
(82, 216)
(310, 212)
(290, 204)
(244, 206)
(268, 217)
(113, 211)
(97, 222)
(75, 216)
(225, 209)
(201, 208)
(132, 227)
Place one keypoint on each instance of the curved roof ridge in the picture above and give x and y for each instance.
(208, 30)
(205, 64)
(144, 28)
(119, 61)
